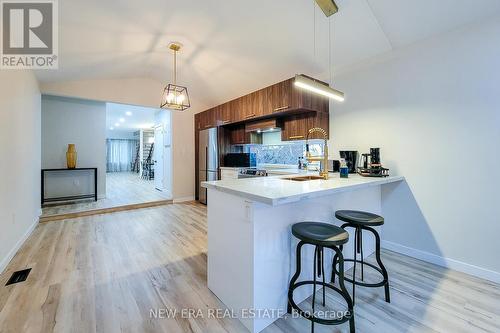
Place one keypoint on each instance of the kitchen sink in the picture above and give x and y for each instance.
(304, 178)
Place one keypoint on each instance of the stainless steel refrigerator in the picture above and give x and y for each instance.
(208, 160)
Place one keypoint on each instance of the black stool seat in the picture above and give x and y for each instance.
(357, 217)
(322, 234)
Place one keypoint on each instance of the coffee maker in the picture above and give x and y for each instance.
(374, 167)
(351, 158)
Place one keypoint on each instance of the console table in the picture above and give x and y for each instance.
(73, 197)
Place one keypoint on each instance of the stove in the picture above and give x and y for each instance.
(251, 173)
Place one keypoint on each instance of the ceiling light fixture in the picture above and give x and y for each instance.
(329, 7)
(318, 87)
(310, 84)
(122, 120)
(174, 96)
(111, 128)
(117, 124)
(128, 113)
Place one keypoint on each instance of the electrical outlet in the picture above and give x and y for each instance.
(76, 182)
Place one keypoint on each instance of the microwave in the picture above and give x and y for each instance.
(240, 160)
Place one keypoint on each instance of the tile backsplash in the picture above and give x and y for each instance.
(284, 153)
(278, 154)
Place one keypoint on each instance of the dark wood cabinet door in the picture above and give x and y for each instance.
(237, 135)
(296, 127)
(256, 104)
(208, 119)
(321, 120)
(225, 114)
(247, 107)
(279, 96)
(236, 109)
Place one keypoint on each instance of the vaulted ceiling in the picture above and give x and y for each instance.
(232, 47)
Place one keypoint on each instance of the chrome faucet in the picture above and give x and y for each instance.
(323, 171)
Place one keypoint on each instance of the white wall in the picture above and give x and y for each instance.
(114, 134)
(433, 109)
(82, 122)
(20, 160)
(143, 92)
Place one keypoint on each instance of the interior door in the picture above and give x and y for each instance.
(158, 157)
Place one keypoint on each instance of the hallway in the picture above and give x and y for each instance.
(122, 188)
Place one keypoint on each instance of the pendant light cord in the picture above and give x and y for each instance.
(330, 51)
(314, 33)
(175, 67)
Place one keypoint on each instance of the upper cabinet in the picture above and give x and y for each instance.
(277, 100)
(224, 114)
(207, 119)
(280, 97)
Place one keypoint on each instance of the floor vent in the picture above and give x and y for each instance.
(19, 276)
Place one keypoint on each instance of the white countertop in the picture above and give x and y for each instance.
(274, 190)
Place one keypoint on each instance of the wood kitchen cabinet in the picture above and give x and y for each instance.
(296, 127)
(237, 135)
(242, 108)
(224, 114)
(207, 119)
(280, 97)
(278, 100)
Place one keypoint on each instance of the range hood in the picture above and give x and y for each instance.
(261, 126)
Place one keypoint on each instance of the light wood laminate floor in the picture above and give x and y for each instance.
(122, 188)
(105, 273)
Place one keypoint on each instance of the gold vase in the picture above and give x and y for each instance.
(71, 156)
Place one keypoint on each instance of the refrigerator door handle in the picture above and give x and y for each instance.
(206, 162)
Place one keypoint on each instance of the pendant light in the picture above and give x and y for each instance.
(174, 96)
(315, 86)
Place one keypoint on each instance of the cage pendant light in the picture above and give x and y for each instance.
(175, 97)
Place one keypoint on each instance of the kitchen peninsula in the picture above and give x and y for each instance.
(250, 247)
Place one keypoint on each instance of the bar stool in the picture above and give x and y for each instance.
(321, 235)
(362, 221)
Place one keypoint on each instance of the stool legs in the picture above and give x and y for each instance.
(345, 293)
(316, 257)
(298, 268)
(341, 248)
(356, 244)
(358, 248)
(319, 269)
(323, 273)
(380, 264)
(360, 251)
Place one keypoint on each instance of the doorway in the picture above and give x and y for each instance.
(141, 175)
(128, 145)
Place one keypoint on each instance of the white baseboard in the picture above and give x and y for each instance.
(5, 261)
(444, 262)
(184, 199)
